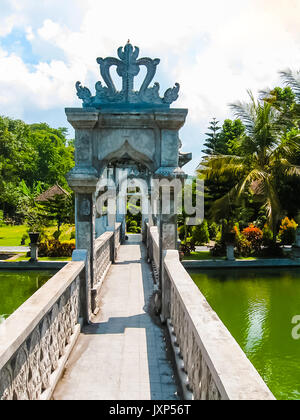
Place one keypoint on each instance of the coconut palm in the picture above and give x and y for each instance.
(265, 154)
(292, 80)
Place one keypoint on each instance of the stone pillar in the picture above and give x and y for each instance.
(167, 240)
(33, 252)
(230, 252)
(85, 221)
(112, 205)
(83, 179)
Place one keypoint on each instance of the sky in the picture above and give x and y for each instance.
(215, 49)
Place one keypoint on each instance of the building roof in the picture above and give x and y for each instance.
(51, 193)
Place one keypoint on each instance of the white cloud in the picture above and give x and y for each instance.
(215, 50)
(7, 24)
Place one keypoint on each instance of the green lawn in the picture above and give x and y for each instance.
(24, 258)
(206, 255)
(12, 235)
(201, 255)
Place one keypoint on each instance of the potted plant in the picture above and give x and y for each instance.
(34, 223)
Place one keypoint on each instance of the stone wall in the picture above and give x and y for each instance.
(36, 340)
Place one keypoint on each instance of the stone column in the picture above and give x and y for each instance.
(83, 179)
(167, 240)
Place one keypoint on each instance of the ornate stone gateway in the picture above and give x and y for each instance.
(131, 132)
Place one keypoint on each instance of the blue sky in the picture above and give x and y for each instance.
(216, 50)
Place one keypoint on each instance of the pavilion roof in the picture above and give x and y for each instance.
(51, 193)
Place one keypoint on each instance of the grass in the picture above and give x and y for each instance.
(206, 255)
(201, 255)
(25, 258)
(12, 235)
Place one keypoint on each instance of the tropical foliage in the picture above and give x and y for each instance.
(32, 158)
(266, 156)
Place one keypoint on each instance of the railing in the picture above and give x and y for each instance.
(105, 251)
(102, 256)
(214, 365)
(37, 338)
(117, 236)
(151, 239)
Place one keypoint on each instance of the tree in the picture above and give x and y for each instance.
(230, 135)
(59, 208)
(265, 155)
(32, 153)
(211, 143)
(200, 234)
(227, 142)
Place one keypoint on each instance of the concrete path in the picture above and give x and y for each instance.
(14, 249)
(122, 354)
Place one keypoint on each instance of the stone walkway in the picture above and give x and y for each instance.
(121, 355)
(14, 249)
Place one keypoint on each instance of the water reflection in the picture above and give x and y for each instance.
(17, 286)
(257, 307)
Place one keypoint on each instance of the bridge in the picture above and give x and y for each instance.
(123, 319)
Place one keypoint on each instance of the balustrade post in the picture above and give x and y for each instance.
(85, 285)
(167, 232)
(112, 244)
(166, 286)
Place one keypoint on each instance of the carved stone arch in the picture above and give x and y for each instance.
(126, 151)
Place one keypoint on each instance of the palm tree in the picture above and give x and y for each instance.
(293, 81)
(265, 155)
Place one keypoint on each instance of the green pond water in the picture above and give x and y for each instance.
(17, 286)
(257, 307)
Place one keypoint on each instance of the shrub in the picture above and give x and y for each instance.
(56, 234)
(188, 247)
(55, 248)
(200, 233)
(267, 238)
(218, 250)
(24, 238)
(254, 235)
(273, 250)
(287, 231)
(181, 232)
(213, 230)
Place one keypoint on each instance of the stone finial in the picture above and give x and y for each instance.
(127, 67)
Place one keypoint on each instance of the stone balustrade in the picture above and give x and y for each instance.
(151, 240)
(117, 236)
(103, 256)
(36, 340)
(210, 361)
(105, 250)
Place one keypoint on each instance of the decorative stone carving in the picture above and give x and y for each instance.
(54, 328)
(85, 207)
(128, 67)
(45, 362)
(82, 148)
(21, 370)
(34, 377)
(6, 380)
(28, 373)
